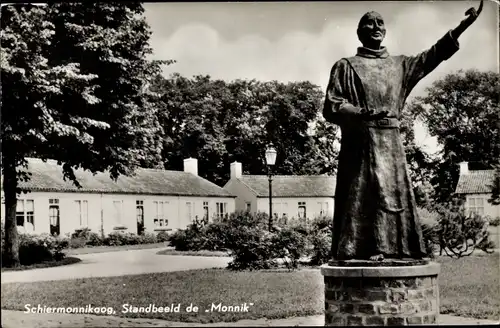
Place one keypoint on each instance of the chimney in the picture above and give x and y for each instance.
(191, 165)
(235, 170)
(464, 168)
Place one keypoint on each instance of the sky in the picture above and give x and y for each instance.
(298, 41)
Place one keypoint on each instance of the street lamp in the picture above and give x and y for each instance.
(270, 160)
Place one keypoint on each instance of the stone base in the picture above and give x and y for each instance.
(364, 293)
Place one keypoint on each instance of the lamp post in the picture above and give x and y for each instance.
(270, 160)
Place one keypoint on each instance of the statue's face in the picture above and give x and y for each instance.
(371, 29)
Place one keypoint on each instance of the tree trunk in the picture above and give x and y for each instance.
(11, 245)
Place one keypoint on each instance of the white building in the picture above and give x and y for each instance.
(476, 187)
(293, 196)
(151, 200)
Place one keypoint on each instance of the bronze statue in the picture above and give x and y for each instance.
(375, 210)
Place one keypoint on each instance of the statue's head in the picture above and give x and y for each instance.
(371, 30)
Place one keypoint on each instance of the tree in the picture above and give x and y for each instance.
(219, 122)
(460, 234)
(495, 187)
(461, 111)
(74, 80)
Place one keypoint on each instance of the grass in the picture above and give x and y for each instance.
(106, 249)
(469, 287)
(193, 253)
(46, 264)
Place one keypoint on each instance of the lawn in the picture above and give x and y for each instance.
(193, 253)
(469, 287)
(46, 264)
(107, 249)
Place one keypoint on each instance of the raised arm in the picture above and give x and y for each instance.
(417, 67)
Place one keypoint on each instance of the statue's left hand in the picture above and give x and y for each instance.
(472, 14)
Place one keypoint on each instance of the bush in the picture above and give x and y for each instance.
(214, 236)
(189, 239)
(161, 237)
(89, 238)
(290, 244)
(251, 249)
(149, 238)
(429, 221)
(495, 222)
(460, 234)
(35, 249)
(116, 238)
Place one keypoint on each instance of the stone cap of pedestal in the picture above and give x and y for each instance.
(429, 269)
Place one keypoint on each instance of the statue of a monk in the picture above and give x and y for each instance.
(375, 210)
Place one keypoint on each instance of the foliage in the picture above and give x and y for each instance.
(252, 249)
(220, 122)
(429, 221)
(460, 234)
(320, 239)
(34, 249)
(461, 111)
(495, 186)
(160, 237)
(74, 77)
(290, 245)
(495, 222)
(90, 238)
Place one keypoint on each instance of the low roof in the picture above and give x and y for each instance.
(475, 182)
(48, 176)
(291, 185)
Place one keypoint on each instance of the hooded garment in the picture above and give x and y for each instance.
(375, 209)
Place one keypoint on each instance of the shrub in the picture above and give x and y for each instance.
(40, 248)
(90, 238)
(495, 222)
(189, 239)
(429, 221)
(251, 249)
(214, 236)
(460, 234)
(290, 244)
(148, 238)
(117, 238)
(77, 242)
(161, 237)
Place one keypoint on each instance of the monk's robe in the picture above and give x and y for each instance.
(375, 209)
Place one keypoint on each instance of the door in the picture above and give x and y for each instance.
(54, 218)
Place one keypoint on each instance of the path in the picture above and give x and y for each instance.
(117, 264)
(14, 319)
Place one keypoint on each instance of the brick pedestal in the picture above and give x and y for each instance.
(363, 293)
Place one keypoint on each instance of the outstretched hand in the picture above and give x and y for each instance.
(472, 14)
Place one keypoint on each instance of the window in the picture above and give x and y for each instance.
(139, 209)
(221, 210)
(249, 207)
(25, 212)
(189, 211)
(160, 219)
(323, 206)
(302, 210)
(54, 216)
(82, 212)
(476, 206)
(205, 211)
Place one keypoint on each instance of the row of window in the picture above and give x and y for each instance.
(301, 209)
(25, 213)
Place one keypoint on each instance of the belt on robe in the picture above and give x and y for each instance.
(384, 123)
